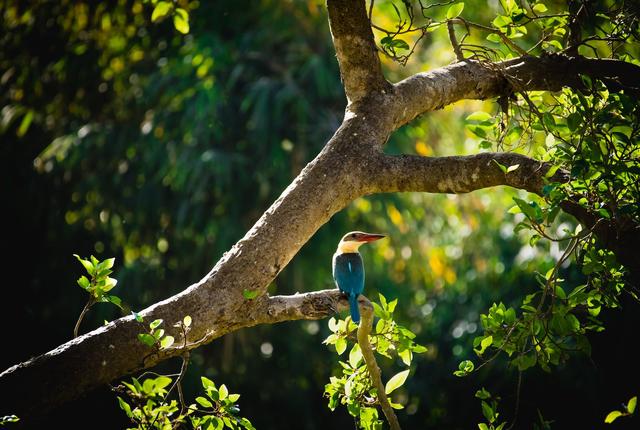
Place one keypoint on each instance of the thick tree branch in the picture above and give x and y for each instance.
(307, 306)
(356, 49)
(458, 174)
(471, 79)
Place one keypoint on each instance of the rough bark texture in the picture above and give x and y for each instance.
(351, 164)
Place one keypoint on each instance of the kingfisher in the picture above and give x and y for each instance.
(348, 271)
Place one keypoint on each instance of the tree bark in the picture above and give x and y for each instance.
(351, 164)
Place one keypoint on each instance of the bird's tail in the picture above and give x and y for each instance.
(353, 308)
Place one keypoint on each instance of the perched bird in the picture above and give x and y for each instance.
(348, 271)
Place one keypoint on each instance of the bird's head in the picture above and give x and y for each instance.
(353, 240)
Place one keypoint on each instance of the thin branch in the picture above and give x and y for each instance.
(364, 329)
(510, 43)
(86, 308)
(454, 41)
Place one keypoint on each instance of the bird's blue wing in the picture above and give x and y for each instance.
(348, 272)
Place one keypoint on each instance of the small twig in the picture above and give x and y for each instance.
(183, 370)
(364, 329)
(496, 31)
(517, 407)
(454, 41)
(90, 303)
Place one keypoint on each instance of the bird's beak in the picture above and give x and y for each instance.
(370, 237)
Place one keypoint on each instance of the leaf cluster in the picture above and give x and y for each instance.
(148, 406)
(354, 388)
(99, 283)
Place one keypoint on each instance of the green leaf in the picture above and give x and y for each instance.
(341, 345)
(147, 339)
(419, 349)
(333, 324)
(478, 116)
(501, 21)
(488, 411)
(492, 37)
(108, 263)
(631, 406)
(501, 166)
(224, 392)
(483, 394)
(548, 120)
(355, 356)
(464, 368)
(186, 321)
(86, 264)
(166, 342)
(161, 9)
(181, 21)
(25, 123)
(406, 356)
(250, 294)
(155, 324)
(396, 381)
(455, 10)
(162, 382)
(512, 168)
(612, 416)
(109, 283)
(84, 282)
(207, 383)
(539, 8)
(483, 426)
(573, 121)
(484, 344)
(396, 405)
(203, 401)
(124, 406)
(115, 300)
(137, 316)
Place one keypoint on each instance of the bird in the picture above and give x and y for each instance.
(348, 270)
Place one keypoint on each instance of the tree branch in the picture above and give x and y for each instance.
(356, 49)
(471, 79)
(458, 174)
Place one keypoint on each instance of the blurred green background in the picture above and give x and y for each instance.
(125, 138)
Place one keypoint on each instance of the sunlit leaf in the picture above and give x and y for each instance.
(455, 10)
(396, 381)
(612, 416)
(161, 9)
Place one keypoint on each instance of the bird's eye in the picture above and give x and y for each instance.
(353, 236)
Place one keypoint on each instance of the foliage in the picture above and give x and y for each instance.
(98, 285)
(156, 336)
(629, 409)
(7, 419)
(148, 406)
(354, 387)
(490, 411)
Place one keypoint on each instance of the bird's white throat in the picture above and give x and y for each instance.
(345, 247)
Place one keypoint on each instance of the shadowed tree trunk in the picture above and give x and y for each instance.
(352, 164)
